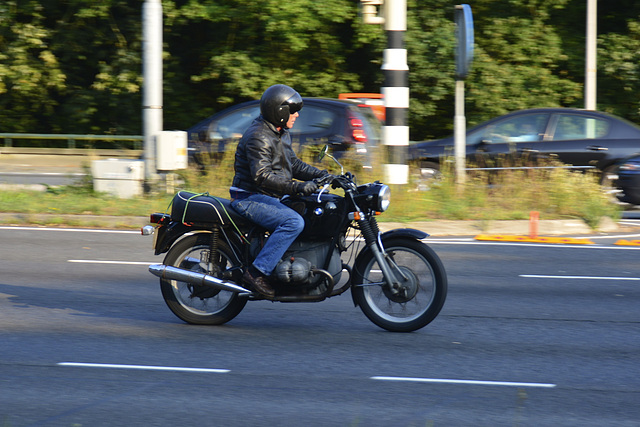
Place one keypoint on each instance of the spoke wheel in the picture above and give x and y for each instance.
(198, 304)
(421, 292)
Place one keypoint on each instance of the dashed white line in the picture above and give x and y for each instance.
(468, 382)
(75, 230)
(380, 378)
(143, 367)
(543, 276)
(90, 261)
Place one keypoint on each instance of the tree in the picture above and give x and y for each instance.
(30, 73)
(226, 52)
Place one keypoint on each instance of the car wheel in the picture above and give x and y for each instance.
(608, 181)
(426, 175)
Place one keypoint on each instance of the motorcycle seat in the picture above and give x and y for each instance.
(190, 207)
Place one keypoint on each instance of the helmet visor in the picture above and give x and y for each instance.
(294, 103)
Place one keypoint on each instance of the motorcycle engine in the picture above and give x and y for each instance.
(298, 263)
(293, 270)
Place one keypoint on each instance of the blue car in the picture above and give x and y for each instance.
(579, 139)
(347, 126)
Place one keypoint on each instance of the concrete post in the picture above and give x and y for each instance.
(152, 83)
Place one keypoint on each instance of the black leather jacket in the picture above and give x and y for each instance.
(266, 163)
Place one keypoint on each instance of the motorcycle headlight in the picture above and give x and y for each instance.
(375, 196)
(384, 198)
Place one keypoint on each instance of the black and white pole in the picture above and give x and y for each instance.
(396, 93)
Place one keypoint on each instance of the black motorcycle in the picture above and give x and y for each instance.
(398, 281)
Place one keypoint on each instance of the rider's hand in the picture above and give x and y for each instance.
(305, 188)
(326, 178)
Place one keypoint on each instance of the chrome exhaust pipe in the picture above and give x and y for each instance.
(173, 273)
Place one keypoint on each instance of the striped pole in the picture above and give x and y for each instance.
(396, 93)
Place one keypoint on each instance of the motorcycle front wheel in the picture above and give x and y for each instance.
(422, 291)
(199, 304)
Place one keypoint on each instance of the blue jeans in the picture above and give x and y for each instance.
(284, 223)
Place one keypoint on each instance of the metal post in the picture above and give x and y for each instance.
(590, 67)
(460, 133)
(152, 82)
(396, 93)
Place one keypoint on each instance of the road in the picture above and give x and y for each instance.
(530, 335)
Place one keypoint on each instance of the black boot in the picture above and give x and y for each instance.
(258, 282)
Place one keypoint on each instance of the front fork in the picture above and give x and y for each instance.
(371, 234)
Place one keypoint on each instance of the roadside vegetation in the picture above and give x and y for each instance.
(75, 66)
(510, 195)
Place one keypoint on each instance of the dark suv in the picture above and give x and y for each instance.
(344, 125)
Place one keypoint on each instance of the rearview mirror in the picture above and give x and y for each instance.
(323, 152)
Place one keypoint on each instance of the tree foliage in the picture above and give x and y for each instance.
(74, 66)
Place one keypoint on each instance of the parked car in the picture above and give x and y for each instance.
(628, 180)
(345, 125)
(578, 138)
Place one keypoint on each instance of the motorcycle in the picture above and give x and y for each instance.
(398, 281)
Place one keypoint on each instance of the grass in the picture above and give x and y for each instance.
(555, 193)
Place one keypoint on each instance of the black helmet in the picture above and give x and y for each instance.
(278, 102)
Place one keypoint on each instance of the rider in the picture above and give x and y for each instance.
(265, 167)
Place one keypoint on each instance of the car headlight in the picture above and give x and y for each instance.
(630, 166)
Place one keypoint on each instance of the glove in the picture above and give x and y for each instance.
(305, 188)
(326, 178)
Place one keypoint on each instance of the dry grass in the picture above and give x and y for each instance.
(555, 193)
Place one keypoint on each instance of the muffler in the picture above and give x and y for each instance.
(173, 273)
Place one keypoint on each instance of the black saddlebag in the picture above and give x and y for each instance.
(193, 208)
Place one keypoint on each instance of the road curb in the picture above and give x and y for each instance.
(624, 242)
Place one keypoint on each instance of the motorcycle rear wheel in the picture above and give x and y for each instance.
(198, 304)
(423, 288)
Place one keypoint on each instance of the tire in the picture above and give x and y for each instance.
(609, 183)
(425, 175)
(425, 287)
(201, 305)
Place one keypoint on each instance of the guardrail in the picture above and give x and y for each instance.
(71, 149)
(71, 139)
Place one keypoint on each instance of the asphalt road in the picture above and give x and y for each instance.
(530, 335)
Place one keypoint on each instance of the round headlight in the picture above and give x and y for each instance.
(384, 198)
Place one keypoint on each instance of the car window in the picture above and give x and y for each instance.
(530, 127)
(234, 124)
(313, 119)
(577, 127)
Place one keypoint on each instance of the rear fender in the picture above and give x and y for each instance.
(167, 235)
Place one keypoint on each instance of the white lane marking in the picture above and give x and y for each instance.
(471, 382)
(75, 230)
(142, 367)
(89, 261)
(543, 276)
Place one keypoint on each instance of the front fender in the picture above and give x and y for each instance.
(404, 232)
